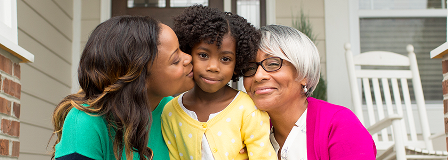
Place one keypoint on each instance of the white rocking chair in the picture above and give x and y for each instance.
(403, 143)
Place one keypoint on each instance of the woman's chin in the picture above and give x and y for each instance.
(264, 104)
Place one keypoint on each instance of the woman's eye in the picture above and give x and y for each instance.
(273, 64)
(177, 61)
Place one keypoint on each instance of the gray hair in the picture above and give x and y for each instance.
(292, 45)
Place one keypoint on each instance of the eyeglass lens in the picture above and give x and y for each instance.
(269, 65)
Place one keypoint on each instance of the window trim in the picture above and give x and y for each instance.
(9, 36)
(414, 13)
(10, 32)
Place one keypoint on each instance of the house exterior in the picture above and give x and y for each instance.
(388, 25)
(54, 31)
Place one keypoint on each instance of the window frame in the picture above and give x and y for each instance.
(9, 31)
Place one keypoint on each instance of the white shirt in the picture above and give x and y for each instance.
(206, 152)
(294, 147)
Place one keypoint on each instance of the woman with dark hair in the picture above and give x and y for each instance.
(281, 80)
(128, 66)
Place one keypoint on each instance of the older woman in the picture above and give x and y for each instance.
(281, 81)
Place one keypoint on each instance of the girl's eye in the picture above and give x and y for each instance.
(203, 55)
(226, 59)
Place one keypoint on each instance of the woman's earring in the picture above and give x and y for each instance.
(305, 89)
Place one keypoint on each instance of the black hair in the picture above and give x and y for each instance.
(200, 23)
(112, 74)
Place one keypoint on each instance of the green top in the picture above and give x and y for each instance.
(156, 142)
(88, 136)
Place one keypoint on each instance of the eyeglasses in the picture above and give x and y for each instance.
(270, 64)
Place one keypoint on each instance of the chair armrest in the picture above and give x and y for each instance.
(437, 135)
(386, 122)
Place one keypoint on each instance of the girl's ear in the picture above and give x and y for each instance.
(234, 75)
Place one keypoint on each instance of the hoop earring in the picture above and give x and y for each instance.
(305, 89)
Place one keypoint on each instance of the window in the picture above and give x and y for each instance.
(394, 32)
(186, 3)
(146, 3)
(8, 20)
(249, 9)
(402, 4)
(162, 3)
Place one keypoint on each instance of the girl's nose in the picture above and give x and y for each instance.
(213, 66)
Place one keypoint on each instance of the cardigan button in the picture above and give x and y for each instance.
(215, 150)
(204, 125)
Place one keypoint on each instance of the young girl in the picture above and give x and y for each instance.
(214, 121)
(128, 66)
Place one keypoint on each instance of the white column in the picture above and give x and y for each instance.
(227, 5)
(337, 33)
(270, 12)
(105, 10)
(76, 44)
(354, 27)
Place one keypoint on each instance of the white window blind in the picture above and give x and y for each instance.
(402, 4)
(249, 9)
(393, 34)
(162, 3)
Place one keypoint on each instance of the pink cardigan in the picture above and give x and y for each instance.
(334, 132)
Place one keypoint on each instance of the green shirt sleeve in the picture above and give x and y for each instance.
(86, 135)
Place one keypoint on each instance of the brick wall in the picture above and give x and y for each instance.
(445, 93)
(10, 88)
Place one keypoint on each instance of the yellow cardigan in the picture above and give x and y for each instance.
(239, 125)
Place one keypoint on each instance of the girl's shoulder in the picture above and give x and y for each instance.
(242, 103)
(244, 98)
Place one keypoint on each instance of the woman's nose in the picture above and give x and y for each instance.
(188, 59)
(261, 74)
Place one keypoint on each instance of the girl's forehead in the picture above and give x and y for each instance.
(215, 38)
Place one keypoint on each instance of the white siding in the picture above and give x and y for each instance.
(66, 5)
(34, 140)
(286, 9)
(45, 29)
(54, 14)
(90, 18)
(47, 60)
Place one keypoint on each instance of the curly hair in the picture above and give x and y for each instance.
(200, 23)
(112, 73)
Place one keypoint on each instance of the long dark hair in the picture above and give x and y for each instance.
(112, 74)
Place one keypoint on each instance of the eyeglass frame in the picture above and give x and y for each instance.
(262, 66)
